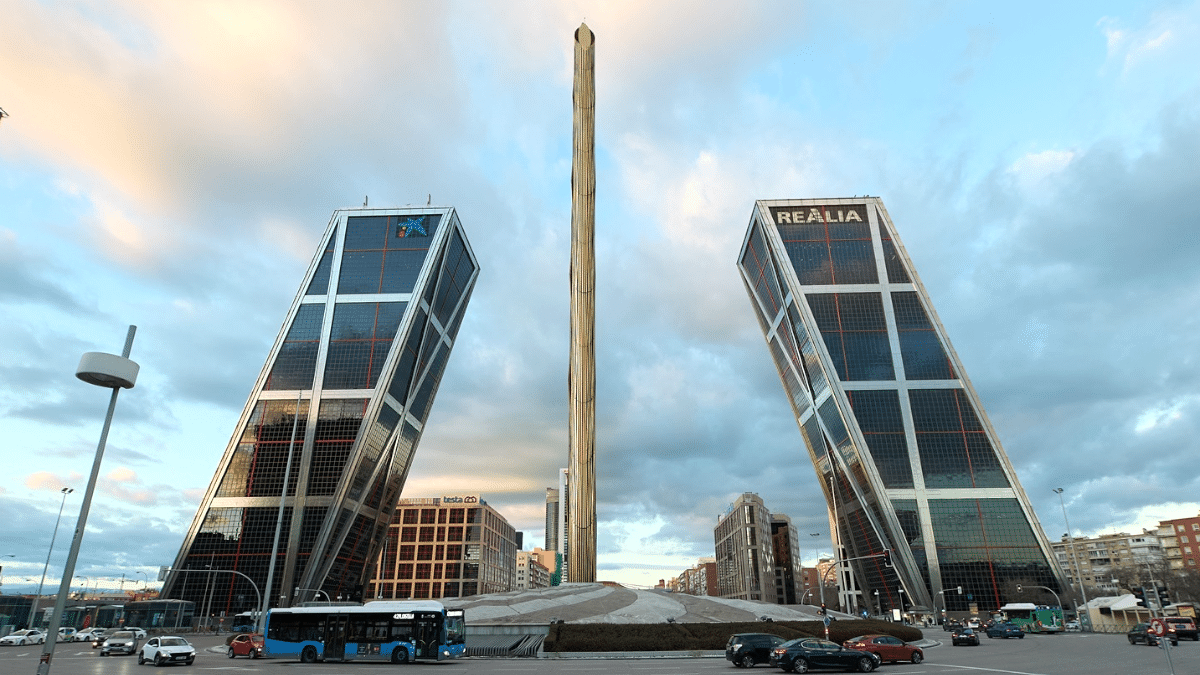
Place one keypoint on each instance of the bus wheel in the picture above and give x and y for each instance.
(308, 654)
(399, 655)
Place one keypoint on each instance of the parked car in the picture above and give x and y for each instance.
(747, 649)
(964, 636)
(29, 636)
(66, 634)
(1185, 627)
(139, 633)
(886, 647)
(804, 654)
(1145, 634)
(167, 649)
(246, 644)
(1005, 630)
(120, 642)
(1072, 626)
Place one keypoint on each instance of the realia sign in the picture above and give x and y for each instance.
(840, 213)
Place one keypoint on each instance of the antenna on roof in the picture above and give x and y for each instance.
(364, 201)
(429, 199)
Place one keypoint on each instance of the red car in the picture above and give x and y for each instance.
(887, 647)
(246, 644)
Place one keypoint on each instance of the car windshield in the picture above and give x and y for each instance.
(792, 643)
(859, 638)
(173, 642)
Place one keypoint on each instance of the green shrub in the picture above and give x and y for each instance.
(623, 637)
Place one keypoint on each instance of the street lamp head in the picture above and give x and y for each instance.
(67, 490)
(1058, 491)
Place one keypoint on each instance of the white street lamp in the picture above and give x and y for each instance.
(1085, 620)
(116, 373)
(33, 610)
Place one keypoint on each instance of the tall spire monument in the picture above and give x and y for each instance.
(581, 383)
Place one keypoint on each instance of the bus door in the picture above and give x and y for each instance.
(428, 637)
(335, 637)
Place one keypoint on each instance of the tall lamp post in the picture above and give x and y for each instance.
(33, 610)
(1085, 620)
(820, 577)
(116, 373)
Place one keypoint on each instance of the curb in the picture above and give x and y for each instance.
(705, 654)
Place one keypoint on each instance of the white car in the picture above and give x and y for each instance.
(31, 636)
(140, 633)
(167, 649)
(86, 635)
(66, 634)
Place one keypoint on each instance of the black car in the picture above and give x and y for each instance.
(952, 625)
(964, 636)
(747, 649)
(1005, 630)
(804, 654)
(1145, 634)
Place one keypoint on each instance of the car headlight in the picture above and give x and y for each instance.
(736, 646)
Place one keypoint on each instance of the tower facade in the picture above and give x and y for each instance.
(903, 450)
(745, 551)
(326, 438)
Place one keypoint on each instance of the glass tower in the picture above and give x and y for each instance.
(905, 454)
(344, 394)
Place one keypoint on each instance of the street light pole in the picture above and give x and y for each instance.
(820, 577)
(1085, 622)
(33, 611)
(102, 370)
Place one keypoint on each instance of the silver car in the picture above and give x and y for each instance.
(120, 642)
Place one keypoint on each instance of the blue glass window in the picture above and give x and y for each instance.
(955, 450)
(879, 419)
(384, 254)
(359, 341)
(824, 247)
(855, 333)
(920, 348)
(296, 362)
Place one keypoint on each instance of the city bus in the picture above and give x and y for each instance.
(401, 631)
(1034, 618)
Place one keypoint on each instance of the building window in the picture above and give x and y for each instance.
(1183, 539)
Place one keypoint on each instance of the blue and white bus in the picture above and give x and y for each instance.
(383, 630)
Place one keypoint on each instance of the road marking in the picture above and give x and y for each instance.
(990, 670)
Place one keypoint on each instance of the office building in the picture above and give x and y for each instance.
(903, 450)
(564, 526)
(326, 438)
(785, 547)
(551, 519)
(744, 551)
(445, 547)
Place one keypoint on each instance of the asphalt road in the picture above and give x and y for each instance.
(1068, 654)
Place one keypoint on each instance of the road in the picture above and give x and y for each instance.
(1068, 654)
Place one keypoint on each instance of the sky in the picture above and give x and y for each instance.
(174, 165)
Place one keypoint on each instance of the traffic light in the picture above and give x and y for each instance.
(1018, 588)
(1140, 594)
(887, 558)
(822, 609)
(1163, 598)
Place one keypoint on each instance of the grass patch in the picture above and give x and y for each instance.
(662, 637)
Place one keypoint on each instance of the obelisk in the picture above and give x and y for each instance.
(581, 382)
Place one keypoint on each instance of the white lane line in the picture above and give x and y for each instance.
(990, 670)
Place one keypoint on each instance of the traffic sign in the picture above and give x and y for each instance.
(1158, 626)
(829, 620)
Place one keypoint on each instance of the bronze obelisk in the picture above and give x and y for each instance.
(581, 383)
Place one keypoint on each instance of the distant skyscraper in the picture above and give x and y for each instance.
(351, 377)
(902, 447)
(564, 522)
(551, 519)
(786, 549)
